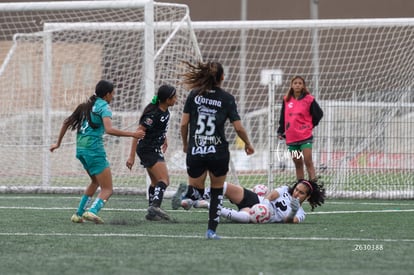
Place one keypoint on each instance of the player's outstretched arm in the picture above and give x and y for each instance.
(107, 121)
(62, 133)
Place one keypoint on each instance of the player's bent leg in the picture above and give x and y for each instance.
(104, 180)
(234, 215)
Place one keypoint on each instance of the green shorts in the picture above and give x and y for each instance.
(94, 163)
(300, 147)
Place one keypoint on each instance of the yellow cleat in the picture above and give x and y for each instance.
(89, 216)
(76, 218)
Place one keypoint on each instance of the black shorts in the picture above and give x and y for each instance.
(250, 198)
(197, 166)
(150, 156)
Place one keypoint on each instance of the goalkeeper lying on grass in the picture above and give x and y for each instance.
(284, 203)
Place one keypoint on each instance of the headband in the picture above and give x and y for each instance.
(308, 184)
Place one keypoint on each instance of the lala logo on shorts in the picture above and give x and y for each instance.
(203, 150)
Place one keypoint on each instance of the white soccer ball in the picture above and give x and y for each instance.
(260, 189)
(259, 213)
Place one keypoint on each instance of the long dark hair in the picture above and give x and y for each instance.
(316, 192)
(83, 110)
(203, 76)
(289, 92)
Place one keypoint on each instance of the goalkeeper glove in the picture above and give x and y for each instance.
(294, 205)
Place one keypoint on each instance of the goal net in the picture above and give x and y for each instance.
(52, 55)
(360, 71)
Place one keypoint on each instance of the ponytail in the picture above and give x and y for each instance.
(82, 112)
(203, 76)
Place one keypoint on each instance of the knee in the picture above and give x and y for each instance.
(108, 191)
(165, 180)
(298, 162)
(161, 182)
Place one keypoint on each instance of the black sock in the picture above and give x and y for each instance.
(150, 194)
(158, 194)
(216, 201)
(194, 193)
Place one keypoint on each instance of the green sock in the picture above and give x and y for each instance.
(97, 205)
(83, 204)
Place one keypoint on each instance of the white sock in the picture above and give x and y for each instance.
(234, 215)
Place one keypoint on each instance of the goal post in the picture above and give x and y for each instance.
(361, 73)
(51, 61)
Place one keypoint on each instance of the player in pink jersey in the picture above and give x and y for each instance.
(299, 115)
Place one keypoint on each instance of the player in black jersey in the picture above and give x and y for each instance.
(206, 110)
(152, 147)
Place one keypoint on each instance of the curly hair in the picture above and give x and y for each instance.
(316, 192)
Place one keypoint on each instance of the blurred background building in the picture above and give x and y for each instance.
(290, 9)
(296, 9)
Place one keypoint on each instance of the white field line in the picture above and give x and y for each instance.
(368, 203)
(128, 198)
(360, 211)
(73, 208)
(144, 209)
(124, 235)
(55, 196)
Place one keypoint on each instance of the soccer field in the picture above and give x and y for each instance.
(341, 237)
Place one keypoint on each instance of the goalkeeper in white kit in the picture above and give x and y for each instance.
(284, 203)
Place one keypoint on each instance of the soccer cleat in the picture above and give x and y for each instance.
(201, 204)
(152, 217)
(156, 211)
(187, 203)
(211, 235)
(178, 196)
(76, 218)
(89, 216)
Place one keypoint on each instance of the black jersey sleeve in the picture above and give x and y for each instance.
(281, 129)
(233, 113)
(316, 112)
